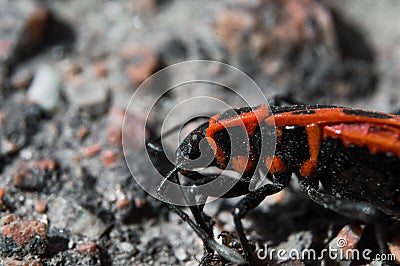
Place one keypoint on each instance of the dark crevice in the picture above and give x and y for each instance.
(351, 42)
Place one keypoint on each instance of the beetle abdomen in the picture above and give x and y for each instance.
(354, 172)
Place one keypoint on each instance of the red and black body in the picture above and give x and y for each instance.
(353, 153)
(358, 154)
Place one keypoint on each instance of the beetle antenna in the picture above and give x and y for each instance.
(173, 177)
(173, 173)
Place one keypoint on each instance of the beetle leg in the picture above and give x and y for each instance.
(223, 251)
(196, 210)
(356, 210)
(205, 223)
(201, 230)
(208, 221)
(200, 217)
(249, 202)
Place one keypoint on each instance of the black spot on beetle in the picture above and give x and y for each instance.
(304, 112)
(292, 108)
(365, 113)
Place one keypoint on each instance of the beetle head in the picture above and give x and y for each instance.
(195, 151)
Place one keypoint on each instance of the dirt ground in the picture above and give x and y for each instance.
(69, 68)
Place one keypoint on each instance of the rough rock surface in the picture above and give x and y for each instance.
(69, 68)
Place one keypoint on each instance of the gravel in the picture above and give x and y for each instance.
(69, 68)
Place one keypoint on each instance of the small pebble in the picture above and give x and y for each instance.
(89, 247)
(19, 238)
(9, 218)
(12, 262)
(41, 207)
(76, 218)
(45, 88)
(2, 192)
(72, 69)
(109, 157)
(126, 247)
(92, 150)
(47, 164)
(394, 248)
(134, 132)
(21, 79)
(122, 199)
(100, 69)
(140, 62)
(140, 203)
(34, 175)
(114, 126)
(8, 147)
(230, 26)
(88, 94)
(347, 238)
(180, 254)
(82, 132)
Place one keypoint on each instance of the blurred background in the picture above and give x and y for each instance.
(68, 69)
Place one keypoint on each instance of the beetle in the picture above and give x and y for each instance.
(353, 154)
